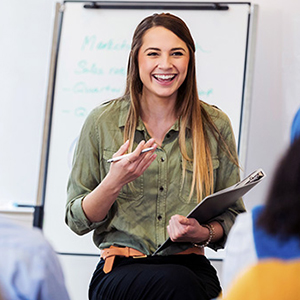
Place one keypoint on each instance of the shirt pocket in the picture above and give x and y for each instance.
(187, 179)
(129, 192)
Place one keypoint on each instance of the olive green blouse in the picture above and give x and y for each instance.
(139, 216)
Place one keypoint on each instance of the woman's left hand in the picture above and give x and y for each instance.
(183, 229)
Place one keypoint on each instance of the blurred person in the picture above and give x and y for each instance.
(271, 230)
(29, 267)
(270, 279)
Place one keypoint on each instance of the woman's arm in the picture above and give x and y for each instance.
(97, 203)
(94, 184)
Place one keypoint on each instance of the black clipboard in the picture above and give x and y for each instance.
(215, 204)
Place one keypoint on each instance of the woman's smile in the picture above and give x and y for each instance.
(164, 78)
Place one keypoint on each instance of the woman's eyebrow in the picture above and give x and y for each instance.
(157, 49)
(178, 48)
(152, 49)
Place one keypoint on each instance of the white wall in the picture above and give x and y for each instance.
(25, 45)
(25, 39)
(276, 88)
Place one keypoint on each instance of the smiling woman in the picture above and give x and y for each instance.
(132, 204)
(163, 62)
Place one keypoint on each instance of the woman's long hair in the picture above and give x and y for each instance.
(282, 210)
(188, 106)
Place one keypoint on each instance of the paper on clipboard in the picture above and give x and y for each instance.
(215, 204)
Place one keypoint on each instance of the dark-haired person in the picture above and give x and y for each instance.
(271, 230)
(134, 204)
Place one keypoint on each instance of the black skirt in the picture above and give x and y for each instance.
(156, 278)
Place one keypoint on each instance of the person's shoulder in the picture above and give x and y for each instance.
(17, 235)
(113, 105)
(107, 112)
(243, 222)
(217, 115)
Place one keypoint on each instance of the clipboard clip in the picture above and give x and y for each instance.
(253, 177)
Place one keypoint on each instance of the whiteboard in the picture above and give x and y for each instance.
(90, 67)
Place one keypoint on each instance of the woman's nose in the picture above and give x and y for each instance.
(165, 62)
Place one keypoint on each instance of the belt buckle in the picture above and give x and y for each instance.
(140, 256)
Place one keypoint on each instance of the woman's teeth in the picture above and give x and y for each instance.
(164, 77)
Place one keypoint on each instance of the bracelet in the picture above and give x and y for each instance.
(211, 229)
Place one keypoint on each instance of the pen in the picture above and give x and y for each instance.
(126, 155)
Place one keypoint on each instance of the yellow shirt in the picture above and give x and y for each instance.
(268, 280)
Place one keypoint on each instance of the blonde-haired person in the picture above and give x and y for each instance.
(134, 204)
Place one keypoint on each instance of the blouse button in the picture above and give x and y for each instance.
(161, 188)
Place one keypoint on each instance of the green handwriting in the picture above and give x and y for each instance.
(84, 88)
(84, 67)
(200, 48)
(92, 43)
(205, 93)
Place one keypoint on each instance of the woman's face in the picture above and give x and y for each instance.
(163, 63)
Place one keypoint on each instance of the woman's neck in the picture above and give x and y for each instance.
(158, 115)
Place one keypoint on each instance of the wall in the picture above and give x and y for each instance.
(25, 36)
(25, 39)
(276, 87)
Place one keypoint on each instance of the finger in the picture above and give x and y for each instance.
(136, 157)
(176, 232)
(150, 143)
(184, 221)
(122, 149)
(136, 153)
(146, 165)
(145, 159)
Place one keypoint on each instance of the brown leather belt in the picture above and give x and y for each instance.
(110, 253)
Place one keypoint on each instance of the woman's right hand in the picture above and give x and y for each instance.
(128, 169)
(97, 203)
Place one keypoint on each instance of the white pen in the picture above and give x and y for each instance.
(126, 155)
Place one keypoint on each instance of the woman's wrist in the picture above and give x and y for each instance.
(212, 233)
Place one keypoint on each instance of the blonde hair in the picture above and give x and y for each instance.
(188, 106)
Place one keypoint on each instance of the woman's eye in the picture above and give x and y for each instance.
(177, 53)
(152, 54)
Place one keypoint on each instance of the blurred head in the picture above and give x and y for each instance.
(282, 210)
(176, 26)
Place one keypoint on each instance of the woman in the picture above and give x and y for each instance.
(130, 202)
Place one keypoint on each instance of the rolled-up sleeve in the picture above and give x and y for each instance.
(84, 177)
